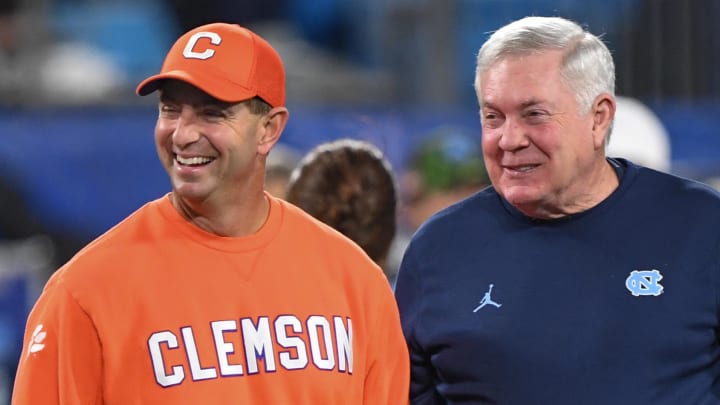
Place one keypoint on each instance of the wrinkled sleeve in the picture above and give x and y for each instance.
(61, 361)
(389, 373)
(409, 296)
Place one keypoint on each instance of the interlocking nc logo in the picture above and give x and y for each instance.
(37, 339)
(644, 282)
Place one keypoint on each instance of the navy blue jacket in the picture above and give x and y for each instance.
(616, 305)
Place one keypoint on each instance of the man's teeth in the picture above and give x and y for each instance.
(197, 160)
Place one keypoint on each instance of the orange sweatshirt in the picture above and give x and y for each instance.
(157, 311)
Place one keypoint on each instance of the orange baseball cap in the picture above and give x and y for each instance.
(227, 61)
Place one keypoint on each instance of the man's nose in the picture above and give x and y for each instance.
(187, 129)
(514, 135)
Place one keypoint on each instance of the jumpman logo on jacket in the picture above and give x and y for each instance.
(487, 300)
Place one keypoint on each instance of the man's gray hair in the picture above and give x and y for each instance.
(588, 67)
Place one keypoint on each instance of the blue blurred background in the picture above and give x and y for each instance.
(76, 143)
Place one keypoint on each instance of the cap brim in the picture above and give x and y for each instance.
(220, 89)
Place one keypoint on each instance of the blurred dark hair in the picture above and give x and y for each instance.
(349, 185)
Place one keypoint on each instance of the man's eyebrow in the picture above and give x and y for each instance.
(215, 103)
(487, 104)
(525, 104)
(531, 103)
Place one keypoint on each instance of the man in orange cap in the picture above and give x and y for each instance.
(217, 292)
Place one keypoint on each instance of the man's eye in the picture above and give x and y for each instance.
(536, 116)
(535, 113)
(491, 120)
(168, 108)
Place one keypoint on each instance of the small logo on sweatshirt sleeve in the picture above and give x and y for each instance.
(37, 339)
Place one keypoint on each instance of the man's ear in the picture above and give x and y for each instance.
(603, 112)
(272, 125)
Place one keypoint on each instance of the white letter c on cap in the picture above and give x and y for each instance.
(190, 54)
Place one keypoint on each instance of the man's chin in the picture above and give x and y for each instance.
(520, 196)
(190, 191)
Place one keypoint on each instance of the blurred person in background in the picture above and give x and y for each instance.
(19, 222)
(217, 292)
(8, 25)
(576, 278)
(281, 162)
(639, 135)
(349, 185)
(444, 167)
(9, 45)
(29, 252)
